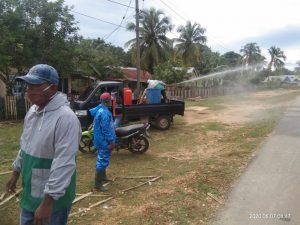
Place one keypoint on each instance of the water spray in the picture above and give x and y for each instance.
(222, 73)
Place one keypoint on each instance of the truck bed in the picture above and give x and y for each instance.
(173, 107)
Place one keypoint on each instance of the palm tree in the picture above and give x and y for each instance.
(154, 44)
(251, 55)
(189, 42)
(231, 59)
(276, 55)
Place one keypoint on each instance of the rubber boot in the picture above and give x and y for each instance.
(105, 179)
(99, 179)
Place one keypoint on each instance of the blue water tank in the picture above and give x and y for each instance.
(153, 95)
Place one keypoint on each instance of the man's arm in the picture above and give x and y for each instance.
(43, 213)
(17, 166)
(12, 183)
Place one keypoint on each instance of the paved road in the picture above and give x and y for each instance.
(268, 193)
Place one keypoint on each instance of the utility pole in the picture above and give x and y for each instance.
(138, 60)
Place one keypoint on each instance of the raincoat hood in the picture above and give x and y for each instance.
(94, 110)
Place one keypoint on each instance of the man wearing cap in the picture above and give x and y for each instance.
(48, 146)
(104, 139)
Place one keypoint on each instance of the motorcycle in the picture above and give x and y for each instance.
(132, 137)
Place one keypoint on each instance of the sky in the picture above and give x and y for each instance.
(229, 24)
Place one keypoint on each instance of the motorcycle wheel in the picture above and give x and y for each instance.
(140, 146)
(86, 145)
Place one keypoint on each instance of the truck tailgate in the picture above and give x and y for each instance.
(174, 107)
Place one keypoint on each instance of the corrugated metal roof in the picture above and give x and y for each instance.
(130, 73)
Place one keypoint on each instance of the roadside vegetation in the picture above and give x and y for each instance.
(198, 164)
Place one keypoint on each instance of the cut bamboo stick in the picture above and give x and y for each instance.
(82, 197)
(3, 196)
(7, 172)
(137, 177)
(100, 202)
(149, 181)
(106, 184)
(96, 195)
(214, 198)
(7, 160)
(173, 157)
(10, 197)
(91, 206)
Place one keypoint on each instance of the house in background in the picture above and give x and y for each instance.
(283, 80)
(2, 89)
(75, 83)
(192, 72)
(16, 90)
(130, 77)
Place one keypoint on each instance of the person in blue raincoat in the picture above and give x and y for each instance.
(104, 138)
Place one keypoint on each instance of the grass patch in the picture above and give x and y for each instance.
(213, 126)
(218, 102)
(10, 133)
(245, 140)
(213, 103)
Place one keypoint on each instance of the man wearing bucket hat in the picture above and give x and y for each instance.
(48, 146)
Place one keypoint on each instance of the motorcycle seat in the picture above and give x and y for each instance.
(124, 131)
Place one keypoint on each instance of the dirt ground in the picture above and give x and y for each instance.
(237, 112)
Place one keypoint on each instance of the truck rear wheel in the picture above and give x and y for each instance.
(163, 122)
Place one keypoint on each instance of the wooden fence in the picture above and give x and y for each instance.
(184, 92)
(13, 108)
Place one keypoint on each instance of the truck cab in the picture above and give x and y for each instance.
(91, 98)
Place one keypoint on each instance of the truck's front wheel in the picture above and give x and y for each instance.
(163, 122)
